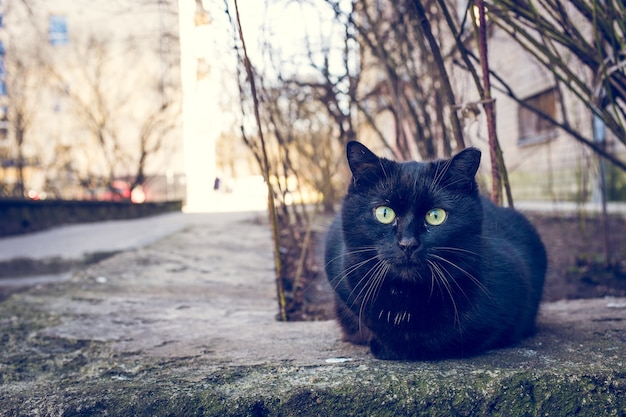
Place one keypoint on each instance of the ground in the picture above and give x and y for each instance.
(576, 253)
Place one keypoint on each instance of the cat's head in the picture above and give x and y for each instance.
(415, 216)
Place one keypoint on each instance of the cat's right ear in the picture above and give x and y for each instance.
(365, 166)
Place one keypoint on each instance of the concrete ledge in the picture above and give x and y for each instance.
(186, 327)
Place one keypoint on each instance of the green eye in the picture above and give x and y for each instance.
(384, 214)
(436, 216)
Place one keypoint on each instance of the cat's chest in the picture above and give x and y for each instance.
(399, 307)
(395, 306)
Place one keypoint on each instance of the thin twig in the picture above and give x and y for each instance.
(280, 290)
(424, 24)
(488, 104)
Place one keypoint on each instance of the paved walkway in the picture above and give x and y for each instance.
(75, 241)
(53, 255)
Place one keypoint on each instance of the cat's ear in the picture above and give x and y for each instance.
(463, 167)
(365, 166)
(466, 162)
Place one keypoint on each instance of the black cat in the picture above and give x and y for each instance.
(423, 267)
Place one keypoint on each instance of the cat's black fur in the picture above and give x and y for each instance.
(416, 291)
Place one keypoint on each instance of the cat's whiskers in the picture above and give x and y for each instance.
(372, 286)
(320, 274)
(452, 280)
(432, 280)
(439, 174)
(370, 282)
(351, 269)
(457, 250)
(453, 183)
(440, 272)
(353, 252)
(472, 278)
(354, 267)
(382, 168)
(364, 281)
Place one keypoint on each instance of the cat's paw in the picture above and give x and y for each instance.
(359, 337)
(381, 352)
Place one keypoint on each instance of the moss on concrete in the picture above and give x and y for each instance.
(389, 389)
(19, 267)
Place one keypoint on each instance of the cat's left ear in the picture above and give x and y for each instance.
(464, 166)
(365, 166)
(466, 162)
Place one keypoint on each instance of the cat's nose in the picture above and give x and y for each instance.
(408, 244)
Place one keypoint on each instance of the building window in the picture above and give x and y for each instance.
(57, 30)
(533, 128)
